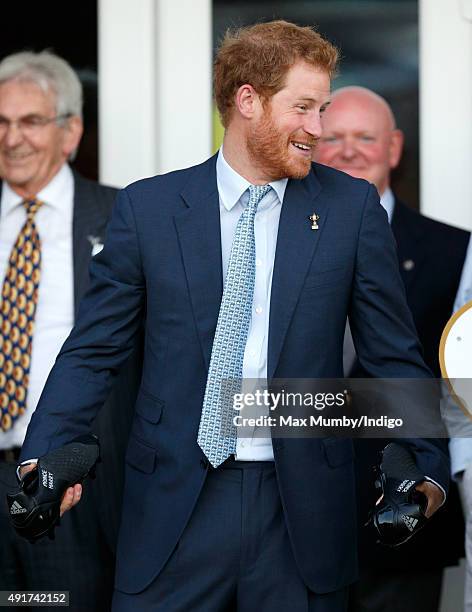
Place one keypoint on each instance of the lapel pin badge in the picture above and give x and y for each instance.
(314, 218)
(96, 244)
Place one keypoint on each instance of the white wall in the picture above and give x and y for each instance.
(446, 110)
(184, 82)
(154, 86)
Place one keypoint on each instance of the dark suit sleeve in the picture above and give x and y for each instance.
(101, 341)
(382, 326)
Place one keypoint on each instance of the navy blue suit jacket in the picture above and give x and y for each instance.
(431, 257)
(162, 264)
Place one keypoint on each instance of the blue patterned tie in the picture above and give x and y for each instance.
(216, 434)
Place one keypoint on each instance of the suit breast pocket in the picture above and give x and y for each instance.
(326, 278)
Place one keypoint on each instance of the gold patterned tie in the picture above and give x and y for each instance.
(18, 308)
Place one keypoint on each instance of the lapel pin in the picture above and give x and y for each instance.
(314, 218)
(96, 244)
(408, 265)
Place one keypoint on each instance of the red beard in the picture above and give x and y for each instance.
(269, 150)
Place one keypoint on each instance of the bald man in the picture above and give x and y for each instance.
(360, 138)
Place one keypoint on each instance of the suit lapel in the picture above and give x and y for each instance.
(198, 229)
(86, 220)
(409, 237)
(199, 233)
(296, 245)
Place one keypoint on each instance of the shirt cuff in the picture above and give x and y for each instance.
(27, 462)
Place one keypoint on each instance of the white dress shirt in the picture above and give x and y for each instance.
(387, 199)
(234, 195)
(55, 310)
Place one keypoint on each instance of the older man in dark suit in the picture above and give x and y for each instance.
(360, 138)
(41, 196)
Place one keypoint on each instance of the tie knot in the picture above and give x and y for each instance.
(32, 206)
(257, 192)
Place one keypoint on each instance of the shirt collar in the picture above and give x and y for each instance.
(387, 199)
(232, 185)
(52, 194)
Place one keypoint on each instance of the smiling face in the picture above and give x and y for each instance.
(285, 129)
(359, 137)
(28, 161)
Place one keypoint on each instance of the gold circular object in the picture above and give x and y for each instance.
(8, 368)
(20, 264)
(452, 332)
(12, 274)
(14, 314)
(6, 422)
(6, 327)
(18, 373)
(13, 408)
(23, 342)
(25, 361)
(29, 288)
(7, 347)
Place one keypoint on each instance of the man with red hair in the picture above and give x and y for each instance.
(245, 266)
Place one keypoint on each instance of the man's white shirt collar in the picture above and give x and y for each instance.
(387, 199)
(52, 194)
(232, 185)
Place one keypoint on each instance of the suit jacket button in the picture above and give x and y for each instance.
(408, 265)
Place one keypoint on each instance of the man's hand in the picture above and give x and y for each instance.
(433, 494)
(71, 497)
(24, 469)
